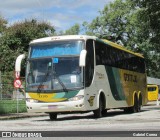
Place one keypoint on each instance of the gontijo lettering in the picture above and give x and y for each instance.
(130, 78)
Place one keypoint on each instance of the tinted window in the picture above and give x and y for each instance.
(56, 49)
(108, 55)
(151, 88)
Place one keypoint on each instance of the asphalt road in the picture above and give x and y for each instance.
(115, 120)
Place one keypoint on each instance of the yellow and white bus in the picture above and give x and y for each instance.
(83, 73)
(152, 92)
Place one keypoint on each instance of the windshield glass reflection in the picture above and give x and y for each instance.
(54, 74)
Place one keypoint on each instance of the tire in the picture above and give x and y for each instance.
(104, 112)
(134, 108)
(139, 104)
(98, 113)
(53, 116)
(127, 110)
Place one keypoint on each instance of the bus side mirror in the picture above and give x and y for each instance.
(18, 62)
(82, 59)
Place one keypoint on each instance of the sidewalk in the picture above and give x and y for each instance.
(20, 115)
(153, 103)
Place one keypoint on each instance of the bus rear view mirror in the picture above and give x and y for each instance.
(82, 59)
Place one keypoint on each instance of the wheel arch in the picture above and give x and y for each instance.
(135, 95)
(138, 95)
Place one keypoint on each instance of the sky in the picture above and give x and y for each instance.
(62, 14)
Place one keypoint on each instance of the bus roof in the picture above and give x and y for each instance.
(65, 37)
(84, 37)
(150, 85)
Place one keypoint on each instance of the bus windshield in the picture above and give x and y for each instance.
(54, 74)
(54, 66)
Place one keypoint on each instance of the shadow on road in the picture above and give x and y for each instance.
(110, 113)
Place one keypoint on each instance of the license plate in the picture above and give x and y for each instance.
(52, 106)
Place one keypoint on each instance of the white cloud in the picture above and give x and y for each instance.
(61, 13)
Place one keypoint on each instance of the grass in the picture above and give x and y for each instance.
(10, 106)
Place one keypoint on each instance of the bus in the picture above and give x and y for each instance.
(152, 92)
(80, 73)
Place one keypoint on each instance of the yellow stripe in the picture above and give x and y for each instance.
(45, 97)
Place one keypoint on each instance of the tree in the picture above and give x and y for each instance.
(154, 17)
(3, 24)
(128, 22)
(74, 30)
(114, 20)
(15, 40)
(150, 16)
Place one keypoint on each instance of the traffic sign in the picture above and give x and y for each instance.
(17, 83)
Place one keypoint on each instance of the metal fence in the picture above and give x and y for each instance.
(7, 90)
(11, 100)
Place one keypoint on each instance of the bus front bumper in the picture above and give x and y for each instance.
(67, 106)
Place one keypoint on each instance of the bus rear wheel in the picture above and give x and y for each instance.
(53, 116)
(139, 104)
(134, 108)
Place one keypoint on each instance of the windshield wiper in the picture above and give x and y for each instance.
(61, 83)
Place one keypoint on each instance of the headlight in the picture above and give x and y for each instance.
(31, 100)
(76, 98)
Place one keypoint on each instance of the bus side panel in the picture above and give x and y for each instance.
(134, 83)
(124, 84)
(108, 81)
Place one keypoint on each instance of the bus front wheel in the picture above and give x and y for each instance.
(53, 116)
(98, 113)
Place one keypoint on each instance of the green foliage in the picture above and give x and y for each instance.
(150, 17)
(15, 40)
(131, 24)
(10, 106)
(7, 80)
(118, 19)
(74, 30)
(3, 23)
